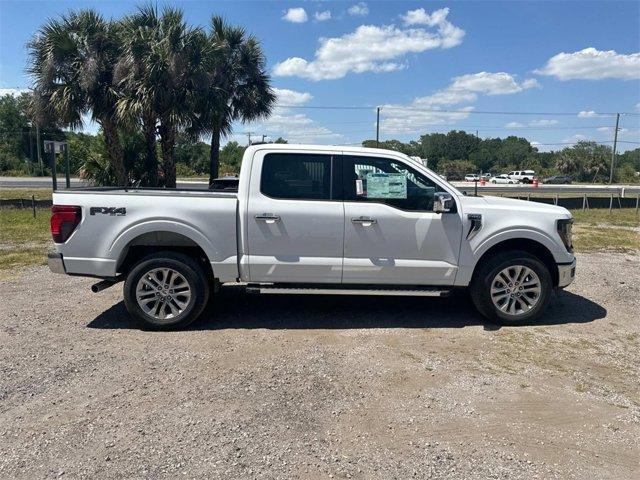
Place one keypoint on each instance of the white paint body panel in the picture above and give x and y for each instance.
(314, 241)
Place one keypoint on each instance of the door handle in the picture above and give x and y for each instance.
(268, 217)
(364, 221)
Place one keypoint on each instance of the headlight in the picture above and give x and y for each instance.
(564, 230)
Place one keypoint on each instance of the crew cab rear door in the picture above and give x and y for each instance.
(392, 235)
(295, 218)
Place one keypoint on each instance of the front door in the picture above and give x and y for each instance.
(392, 236)
(295, 222)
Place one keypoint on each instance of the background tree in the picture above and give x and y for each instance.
(162, 56)
(72, 64)
(238, 87)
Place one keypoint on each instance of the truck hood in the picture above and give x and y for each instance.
(512, 205)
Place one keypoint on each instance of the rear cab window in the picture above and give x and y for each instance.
(298, 176)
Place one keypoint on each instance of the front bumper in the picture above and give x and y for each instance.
(566, 273)
(55, 262)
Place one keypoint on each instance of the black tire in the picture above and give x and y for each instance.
(190, 270)
(480, 288)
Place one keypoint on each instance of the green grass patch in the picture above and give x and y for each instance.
(24, 240)
(39, 193)
(623, 217)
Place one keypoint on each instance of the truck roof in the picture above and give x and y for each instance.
(327, 148)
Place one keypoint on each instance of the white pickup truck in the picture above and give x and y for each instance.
(314, 220)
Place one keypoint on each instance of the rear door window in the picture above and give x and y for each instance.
(296, 176)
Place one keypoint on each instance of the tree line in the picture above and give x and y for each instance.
(453, 154)
(458, 153)
(151, 82)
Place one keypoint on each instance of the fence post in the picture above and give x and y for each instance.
(637, 201)
(33, 205)
(584, 201)
(528, 197)
(611, 203)
(555, 200)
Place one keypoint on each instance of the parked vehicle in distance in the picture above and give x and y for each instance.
(486, 175)
(504, 178)
(523, 176)
(472, 177)
(310, 219)
(558, 180)
(225, 183)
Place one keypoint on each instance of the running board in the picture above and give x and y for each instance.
(387, 292)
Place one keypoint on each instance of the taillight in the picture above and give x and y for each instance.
(64, 220)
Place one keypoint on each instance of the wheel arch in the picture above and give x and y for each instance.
(528, 245)
(160, 240)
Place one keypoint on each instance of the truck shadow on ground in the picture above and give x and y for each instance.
(233, 308)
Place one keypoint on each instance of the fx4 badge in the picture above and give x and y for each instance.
(113, 211)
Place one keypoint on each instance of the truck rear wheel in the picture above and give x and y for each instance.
(512, 288)
(166, 290)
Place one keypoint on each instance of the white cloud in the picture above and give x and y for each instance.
(14, 92)
(638, 107)
(587, 114)
(369, 49)
(322, 16)
(543, 123)
(578, 137)
(491, 83)
(420, 16)
(295, 127)
(295, 15)
(359, 10)
(291, 97)
(592, 64)
(430, 110)
(514, 125)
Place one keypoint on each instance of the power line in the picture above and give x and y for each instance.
(434, 110)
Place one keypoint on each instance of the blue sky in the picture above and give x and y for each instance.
(430, 65)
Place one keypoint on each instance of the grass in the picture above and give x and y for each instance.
(11, 193)
(24, 240)
(599, 229)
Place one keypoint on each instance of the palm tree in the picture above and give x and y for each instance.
(72, 61)
(140, 32)
(238, 87)
(161, 59)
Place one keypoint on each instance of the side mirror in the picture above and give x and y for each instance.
(442, 202)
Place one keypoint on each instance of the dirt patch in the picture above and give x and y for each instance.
(319, 387)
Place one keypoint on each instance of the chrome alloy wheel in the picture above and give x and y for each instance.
(163, 293)
(516, 290)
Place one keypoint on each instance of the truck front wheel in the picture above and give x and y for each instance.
(166, 290)
(512, 288)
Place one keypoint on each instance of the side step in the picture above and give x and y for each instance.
(389, 292)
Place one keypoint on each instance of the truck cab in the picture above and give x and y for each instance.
(318, 220)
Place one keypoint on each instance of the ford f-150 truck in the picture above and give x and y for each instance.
(314, 220)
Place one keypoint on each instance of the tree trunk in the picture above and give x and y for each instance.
(114, 151)
(167, 144)
(214, 156)
(150, 175)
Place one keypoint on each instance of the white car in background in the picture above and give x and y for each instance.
(472, 177)
(523, 176)
(504, 178)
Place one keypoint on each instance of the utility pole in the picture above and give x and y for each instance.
(378, 127)
(248, 134)
(615, 144)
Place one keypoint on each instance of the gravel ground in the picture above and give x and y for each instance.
(321, 387)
